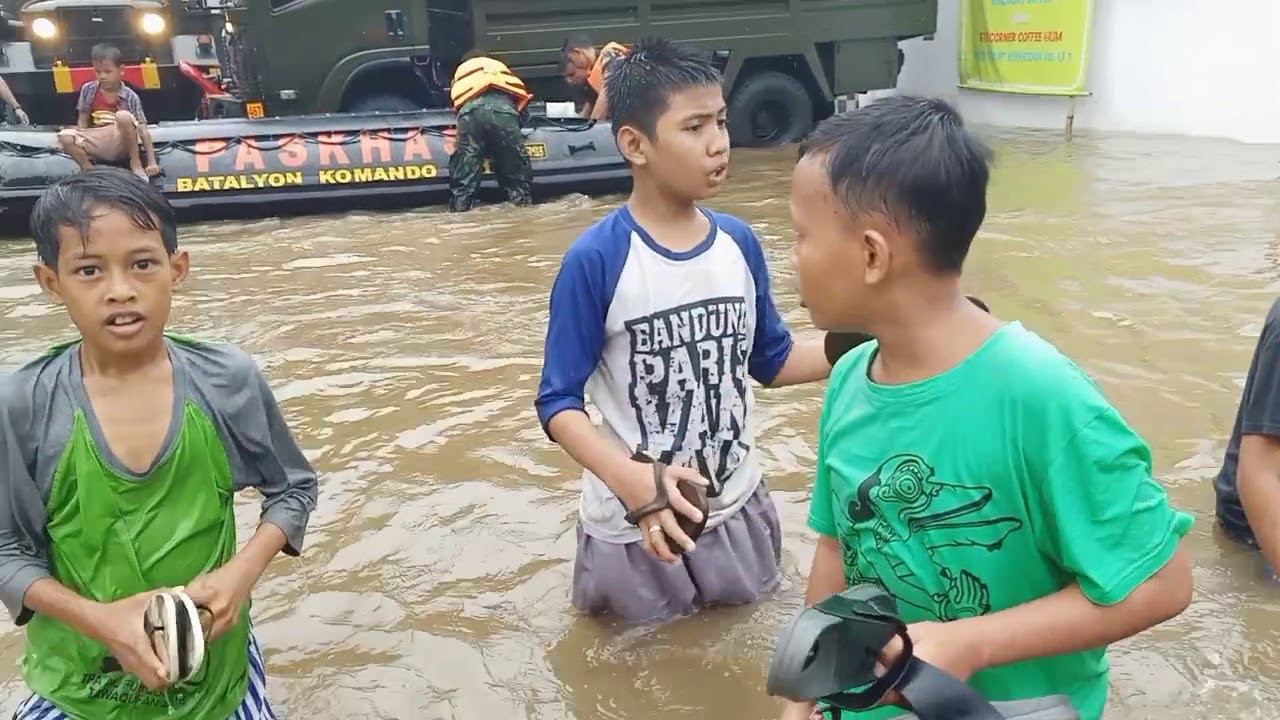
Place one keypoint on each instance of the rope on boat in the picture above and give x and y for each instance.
(351, 137)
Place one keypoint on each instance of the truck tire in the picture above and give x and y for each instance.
(383, 102)
(769, 109)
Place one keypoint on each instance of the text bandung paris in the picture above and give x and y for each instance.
(689, 382)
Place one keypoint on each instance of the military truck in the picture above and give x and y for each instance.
(784, 61)
(44, 53)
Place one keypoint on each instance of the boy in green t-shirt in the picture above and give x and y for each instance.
(121, 452)
(964, 464)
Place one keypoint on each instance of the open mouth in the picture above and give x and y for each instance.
(124, 321)
(719, 172)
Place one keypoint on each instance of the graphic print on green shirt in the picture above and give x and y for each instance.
(935, 515)
(79, 515)
(1001, 481)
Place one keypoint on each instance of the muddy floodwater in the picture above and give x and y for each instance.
(405, 350)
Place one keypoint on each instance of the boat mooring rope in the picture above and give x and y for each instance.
(325, 138)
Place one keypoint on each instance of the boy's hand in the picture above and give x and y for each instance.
(22, 116)
(947, 646)
(802, 711)
(224, 592)
(638, 490)
(152, 169)
(119, 625)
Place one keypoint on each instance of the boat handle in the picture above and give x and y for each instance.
(575, 149)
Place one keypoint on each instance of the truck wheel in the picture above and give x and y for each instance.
(769, 109)
(383, 102)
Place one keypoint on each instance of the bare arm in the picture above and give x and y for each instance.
(1068, 622)
(257, 554)
(47, 596)
(600, 110)
(147, 145)
(826, 578)
(82, 119)
(574, 432)
(6, 94)
(807, 362)
(1258, 481)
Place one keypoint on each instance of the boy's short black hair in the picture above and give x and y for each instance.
(642, 82)
(576, 41)
(105, 52)
(913, 159)
(71, 202)
(474, 53)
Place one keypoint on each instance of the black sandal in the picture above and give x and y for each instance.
(697, 496)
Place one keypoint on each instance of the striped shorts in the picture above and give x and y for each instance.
(254, 707)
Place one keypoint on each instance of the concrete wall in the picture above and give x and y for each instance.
(1185, 67)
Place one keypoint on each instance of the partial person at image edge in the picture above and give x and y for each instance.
(122, 452)
(965, 464)
(662, 313)
(1247, 487)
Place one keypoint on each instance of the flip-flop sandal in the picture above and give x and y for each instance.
(834, 646)
(696, 495)
(174, 624)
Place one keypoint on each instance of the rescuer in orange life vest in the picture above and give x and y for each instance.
(489, 99)
(586, 69)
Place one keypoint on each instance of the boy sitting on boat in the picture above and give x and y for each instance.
(111, 120)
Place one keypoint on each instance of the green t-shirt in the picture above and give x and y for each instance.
(998, 482)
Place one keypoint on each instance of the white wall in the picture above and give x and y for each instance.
(1185, 67)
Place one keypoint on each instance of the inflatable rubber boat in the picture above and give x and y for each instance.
(317, 163)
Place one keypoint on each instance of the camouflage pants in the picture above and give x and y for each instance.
(492, 133)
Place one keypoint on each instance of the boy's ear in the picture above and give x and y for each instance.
(47, 279)
(633, 145)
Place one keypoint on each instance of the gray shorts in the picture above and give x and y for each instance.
(734, 564)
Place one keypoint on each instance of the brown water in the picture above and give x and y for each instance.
(405, 349)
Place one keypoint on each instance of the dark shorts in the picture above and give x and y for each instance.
(733, 564)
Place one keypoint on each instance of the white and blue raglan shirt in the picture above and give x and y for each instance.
(664, 342)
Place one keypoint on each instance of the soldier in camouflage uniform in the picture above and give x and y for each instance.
(489, 100)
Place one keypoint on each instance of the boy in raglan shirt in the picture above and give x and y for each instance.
(662, 313)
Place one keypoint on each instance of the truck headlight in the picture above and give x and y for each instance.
(44, 28)
(153, 23)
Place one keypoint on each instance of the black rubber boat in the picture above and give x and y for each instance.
(316, 163)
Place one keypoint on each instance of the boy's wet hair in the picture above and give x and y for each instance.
(76, 201)
(912, 159)
(642, 82)
(105, 52)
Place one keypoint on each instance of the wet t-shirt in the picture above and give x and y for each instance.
(75, 513)
(998, 482)
(1259, 414)
(666, 345)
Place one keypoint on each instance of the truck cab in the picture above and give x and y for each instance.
(784, 63)
(45, 53)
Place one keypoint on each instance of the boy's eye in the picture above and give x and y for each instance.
(86, 270)
(145, 264)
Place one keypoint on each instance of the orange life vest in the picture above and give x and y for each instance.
(607, 53)
(477, 75)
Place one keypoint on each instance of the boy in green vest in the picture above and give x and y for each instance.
(121, 453)
(964, 464)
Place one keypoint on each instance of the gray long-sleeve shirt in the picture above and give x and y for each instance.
(38, 403)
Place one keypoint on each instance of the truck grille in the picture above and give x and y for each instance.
(79, 29)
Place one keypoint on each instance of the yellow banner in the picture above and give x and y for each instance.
(1035, 47)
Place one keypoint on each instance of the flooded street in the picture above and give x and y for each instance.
(405, 349)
